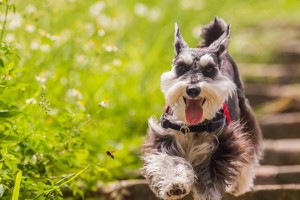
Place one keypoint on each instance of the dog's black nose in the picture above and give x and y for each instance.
(193, 91)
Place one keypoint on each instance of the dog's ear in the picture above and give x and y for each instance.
(179, 43)
(220, 45)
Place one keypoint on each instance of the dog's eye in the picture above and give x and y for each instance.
(210, 71)
(181, 68)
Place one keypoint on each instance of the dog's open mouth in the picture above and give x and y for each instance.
(193, 110)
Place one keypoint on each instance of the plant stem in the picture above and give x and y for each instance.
(65, 181)
(4, 22)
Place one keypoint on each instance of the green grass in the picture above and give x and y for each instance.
(86, 83)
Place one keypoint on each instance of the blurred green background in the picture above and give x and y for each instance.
(86, 79)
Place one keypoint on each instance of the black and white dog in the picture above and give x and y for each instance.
(208, 141)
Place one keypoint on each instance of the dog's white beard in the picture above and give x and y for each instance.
(216, 93)
(172, 88)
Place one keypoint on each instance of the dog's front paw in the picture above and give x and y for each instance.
(175, 191)
(169, 177)
(239, 188)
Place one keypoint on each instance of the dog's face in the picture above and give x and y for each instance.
(195, 87)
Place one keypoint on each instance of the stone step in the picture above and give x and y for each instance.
(270, 192)
(270, 73)
(268, 174)
(281, 126)
(281, 152)
(139, 189)
(126, 189)
(289, 52)
(263, 93)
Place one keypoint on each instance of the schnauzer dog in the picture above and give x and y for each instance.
(208, 141)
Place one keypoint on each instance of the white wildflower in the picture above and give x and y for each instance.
(104, 103)
(34, 159)
(72, 92)
(154, 14)
(106, 68)
(141, 9)
(90, 29)
(41, 79)
(31, 101)
(14, 21)
(30, 28)
(1, 190)
(110, 48)
(18, 45)
(105, 21)
(44, 33)
(96, 8)
(89, 45)
(10, 37)
(30, 9)
(35, 45)
(197, 31)
(117, 62)
(191, 5)
(45, 48)
(54, 37)
(81, 59)
(101, 32)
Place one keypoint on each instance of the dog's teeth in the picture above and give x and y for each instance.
(184, 99)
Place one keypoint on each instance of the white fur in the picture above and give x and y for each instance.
(205, 60)
(195, 148)
(186, 57)
(215, 92)
(166, 173)
(153, 124)
(172, 88)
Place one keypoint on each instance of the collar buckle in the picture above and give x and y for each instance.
(185, 129)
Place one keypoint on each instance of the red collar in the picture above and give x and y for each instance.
(226, 113)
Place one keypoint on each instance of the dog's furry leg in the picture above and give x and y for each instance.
(170, 177)
(244, 181)
(232, 152)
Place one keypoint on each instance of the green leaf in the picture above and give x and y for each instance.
(8, 113)
(104, 171)
(13, 8)
(73, 176)
(3, 151)
(1, 63)
(16, 190)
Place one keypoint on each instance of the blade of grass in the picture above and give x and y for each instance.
(4, 22)
(67, 180)
(16, 190)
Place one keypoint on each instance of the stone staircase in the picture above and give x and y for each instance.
(276, 97)
(274, 92)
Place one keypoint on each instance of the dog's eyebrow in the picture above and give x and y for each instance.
(187, 58)
(206, 59)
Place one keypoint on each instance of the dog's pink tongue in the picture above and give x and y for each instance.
(193, 111)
